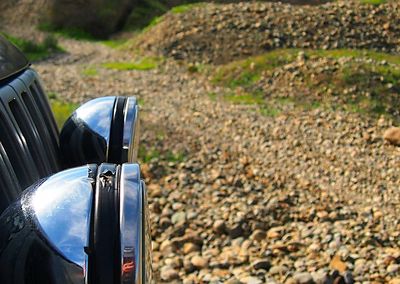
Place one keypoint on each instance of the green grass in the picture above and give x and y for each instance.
(185, 8)
(114, 43)
(373, 2)
(369, 87)
(146, 155)
(149, 13)
(140, 101)
(144, 64)
(246, 72)
(245, 98)
(35, 51)
(62, 110)
(146, 14)
(90, 71)
(73, 33)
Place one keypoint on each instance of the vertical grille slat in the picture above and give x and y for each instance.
(8, 181)
(31, 81)
(32, 139)
(39, 109)
(39, 122)
(15, 147)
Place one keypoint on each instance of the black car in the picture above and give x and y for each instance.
(73, 204)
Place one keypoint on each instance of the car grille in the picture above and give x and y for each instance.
(28, 136)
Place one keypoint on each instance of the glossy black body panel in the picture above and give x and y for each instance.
(26, 256)
(12, 61)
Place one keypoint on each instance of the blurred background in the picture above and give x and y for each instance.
(269, 129)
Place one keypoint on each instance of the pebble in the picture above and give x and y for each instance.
(199, 262)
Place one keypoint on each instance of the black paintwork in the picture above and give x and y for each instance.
(12, 60)
(25, 255)
(104, 242)
(117, 131)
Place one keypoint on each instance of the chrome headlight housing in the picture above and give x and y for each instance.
(101, 130)
(83, 225)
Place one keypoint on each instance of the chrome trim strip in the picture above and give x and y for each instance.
(131, 131)
(131, 210)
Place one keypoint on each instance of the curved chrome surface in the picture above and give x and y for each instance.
(85, 136)
(97, 116)
(131, 131)
(61, 208)
(131, 226)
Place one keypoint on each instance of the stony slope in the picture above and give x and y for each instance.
(237, 196)
(220, 33)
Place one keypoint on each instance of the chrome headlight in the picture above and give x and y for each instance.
(82, 225)
(101, 130)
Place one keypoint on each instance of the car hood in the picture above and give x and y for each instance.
(12, 60)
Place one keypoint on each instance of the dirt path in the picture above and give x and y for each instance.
(241, 197)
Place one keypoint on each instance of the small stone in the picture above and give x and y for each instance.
(303, 278)
(338, 264)
(393, 268)
(199, 262)
(278, 269)
(219, 227)
(233, 281)
(274, 233)
(392, 135)
(320, 277)
(190, 247)
(258, 235)
(251, 280)
(261, 264)
(167, 273)
(178, 217)
(348, 278)
(166, 247)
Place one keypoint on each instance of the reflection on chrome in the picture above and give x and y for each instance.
(131, 130)
(48, 235)
(62, 207)
(86, 135)
(97, 116)
(133, 269)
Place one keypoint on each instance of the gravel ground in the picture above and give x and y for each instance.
(220, 33)
(303, 197)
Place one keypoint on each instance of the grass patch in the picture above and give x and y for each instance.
(146, 14)
(185, 8)
(146, 155)
(212, 96)
(144, 64)
(268, 110)
(73, 33)
(114, 43)
(370, 87)
(90, 71)
(62, 110)
(246, 72)
(140, 101)
(245, 98)
(373, 2)
(35, 51)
